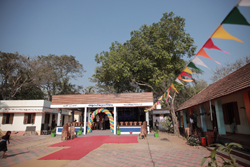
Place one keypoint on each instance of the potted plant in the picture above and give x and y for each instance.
(131, 132)
(157, 133)
(53, 132)
(80, 130)
(118, 130)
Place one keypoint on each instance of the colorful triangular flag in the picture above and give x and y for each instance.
(235, 17)
(203, 53)
(198, 61)
(178, 81)
(172, 86)
(183, 73)
(186, 69)
(210, 45)
(185, 80)
(192, 65)
(221, 33)
(244, 3)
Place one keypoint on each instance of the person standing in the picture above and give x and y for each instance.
(106, 122)
(101, 127)
(98, 121)
(157, 125)
(3, 143)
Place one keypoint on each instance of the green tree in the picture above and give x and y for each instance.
(89, 90)
(64, 87)
(150, 60)
(56, 71)
(189, 90)
(15, 71)
(228, 68)
(30, 92)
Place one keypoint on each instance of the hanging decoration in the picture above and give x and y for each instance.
(234, 17)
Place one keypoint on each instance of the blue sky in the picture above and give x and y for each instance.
(85, 28)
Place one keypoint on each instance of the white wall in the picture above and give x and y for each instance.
(243, 127)
(18, 124)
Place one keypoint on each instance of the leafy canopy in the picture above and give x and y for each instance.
(150, 60)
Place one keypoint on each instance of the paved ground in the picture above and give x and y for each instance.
(167, 150)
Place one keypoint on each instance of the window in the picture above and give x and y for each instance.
(230, 113)
(29, 118)
(7, 118)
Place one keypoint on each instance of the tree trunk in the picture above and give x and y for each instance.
(174, 118)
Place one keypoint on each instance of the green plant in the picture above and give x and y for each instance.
(157, 131)
(53, 130)
(227, 148)
(167, 124)
(80, 128)
(118, 128)
(193, 140)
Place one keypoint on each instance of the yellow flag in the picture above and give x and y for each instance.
(220, 32)
(172, 85)
(188, 70)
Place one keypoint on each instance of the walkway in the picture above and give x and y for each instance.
(167, 150)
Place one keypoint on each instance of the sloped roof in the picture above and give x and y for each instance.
(144, 97)
(236, 81)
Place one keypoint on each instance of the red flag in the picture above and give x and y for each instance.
(210, 45)
(185, 74)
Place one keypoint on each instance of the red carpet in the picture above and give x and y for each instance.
(81, 146)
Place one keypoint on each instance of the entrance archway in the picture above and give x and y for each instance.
(105, 111)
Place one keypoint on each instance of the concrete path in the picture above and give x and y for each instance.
(167, 150)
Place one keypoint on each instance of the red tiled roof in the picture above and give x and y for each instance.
(143, 97)
(236, 81)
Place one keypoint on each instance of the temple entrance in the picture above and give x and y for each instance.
(97, 111)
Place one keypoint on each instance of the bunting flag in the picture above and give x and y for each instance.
(210, 45)
(192, 65)
(203, 53)
(183, 73)
(186, 69)
(235, 17)
(178, 81)
(221, 33)
(167, 95)
(185, 80)
(198, 61)
(172, 86)
(244, 3)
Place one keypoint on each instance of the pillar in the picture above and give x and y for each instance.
(179, 119)
(184, 119)
(59, 119)
(73, 116)
(246, 96)
(85, 121)
(147, 119)
(203, 118)
(115, 121)
(220, 117)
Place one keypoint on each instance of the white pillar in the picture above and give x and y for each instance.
(59, 119)
(147, 119)
(115, 122)
(85, 121)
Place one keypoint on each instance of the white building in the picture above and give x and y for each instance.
(16, 115)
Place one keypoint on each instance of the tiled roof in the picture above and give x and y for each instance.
(236, 81)
(144, 97)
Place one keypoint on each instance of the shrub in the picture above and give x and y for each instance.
(167, 124)
(193, 140)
